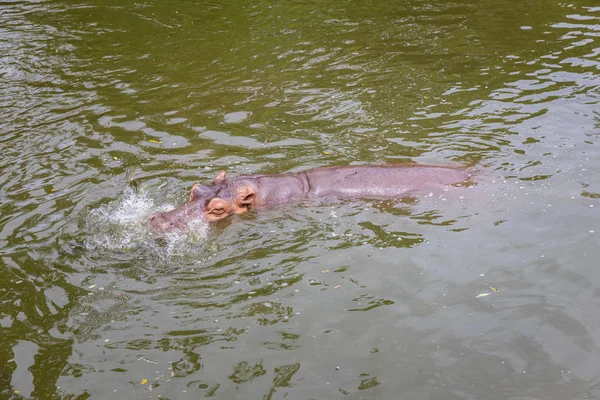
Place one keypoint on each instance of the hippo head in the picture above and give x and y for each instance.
(222, 197)
(212, 202)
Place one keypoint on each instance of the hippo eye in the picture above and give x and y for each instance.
(218, 211)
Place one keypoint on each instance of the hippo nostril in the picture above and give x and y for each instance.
(152, 218)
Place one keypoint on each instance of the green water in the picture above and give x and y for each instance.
(491, 293)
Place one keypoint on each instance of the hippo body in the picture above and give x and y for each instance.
(223, 196)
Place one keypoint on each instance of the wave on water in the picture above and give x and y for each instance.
(120, 225)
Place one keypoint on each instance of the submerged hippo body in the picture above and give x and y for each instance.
(224, 196)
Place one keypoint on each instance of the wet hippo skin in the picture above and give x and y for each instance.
(225, 196)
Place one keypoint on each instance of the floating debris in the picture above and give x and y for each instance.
(131, 181)
(144, 381)
(337, 286)
(482, 295)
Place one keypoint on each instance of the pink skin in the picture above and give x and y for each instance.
(224, 197)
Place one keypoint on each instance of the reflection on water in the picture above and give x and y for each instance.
(313, 300)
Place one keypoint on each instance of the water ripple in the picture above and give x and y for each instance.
(263, 306)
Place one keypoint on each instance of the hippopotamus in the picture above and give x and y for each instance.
(224, 196)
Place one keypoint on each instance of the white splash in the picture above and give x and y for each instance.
(121, 225)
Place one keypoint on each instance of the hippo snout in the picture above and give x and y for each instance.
(162, 222)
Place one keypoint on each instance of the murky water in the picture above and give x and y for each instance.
(489, 295)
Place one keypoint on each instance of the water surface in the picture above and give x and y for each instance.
(491, 294)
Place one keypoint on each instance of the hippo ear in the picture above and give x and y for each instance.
(246, 196)
(220, 177)
(196, 192)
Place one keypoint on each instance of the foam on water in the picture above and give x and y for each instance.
(121, 225)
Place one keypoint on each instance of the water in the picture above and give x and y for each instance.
(491, 294)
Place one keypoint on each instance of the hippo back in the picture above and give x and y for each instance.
(381, 181)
